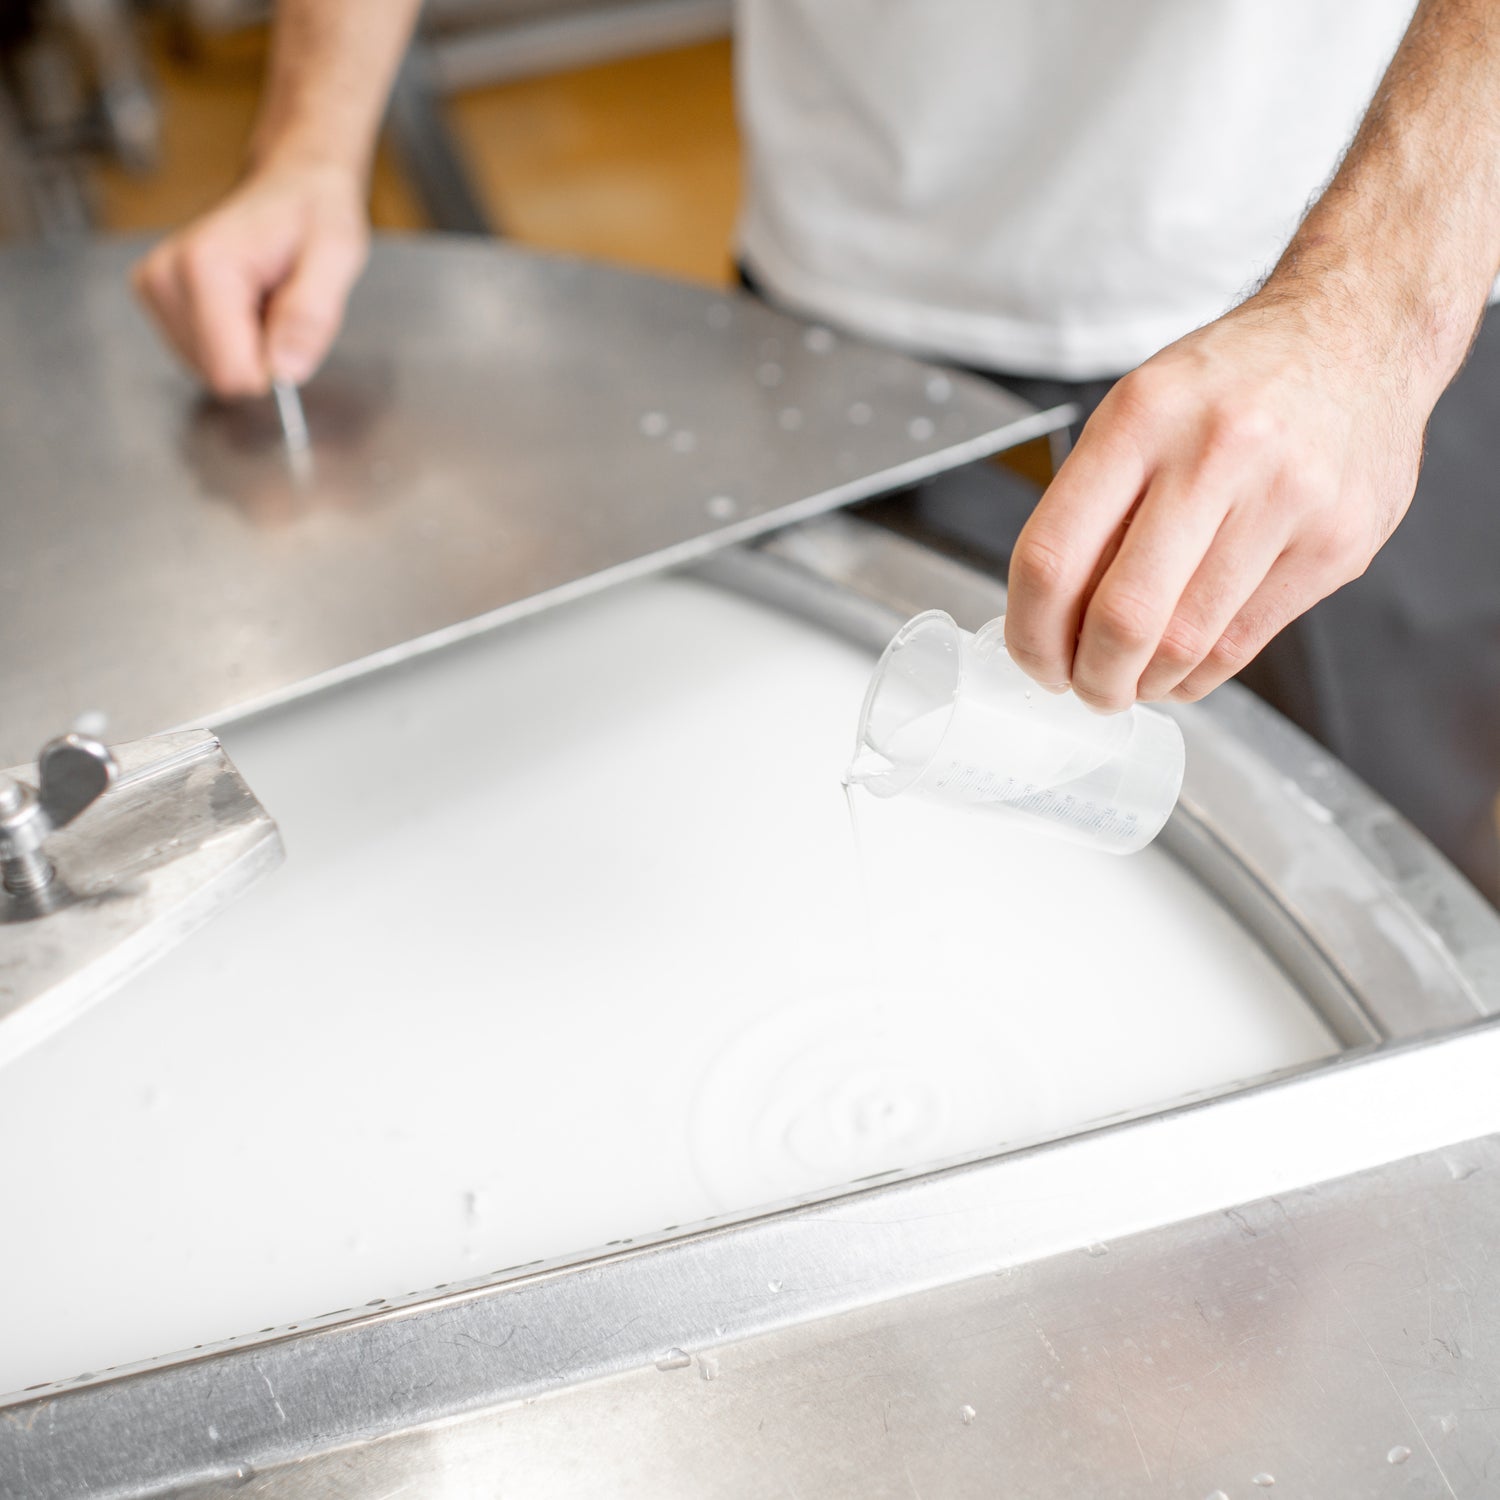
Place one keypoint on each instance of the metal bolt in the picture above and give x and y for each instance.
(26, 875)
(12, 798)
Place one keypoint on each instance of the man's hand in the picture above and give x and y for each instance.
(255, 290)
(1220, 490)
(1253, 467)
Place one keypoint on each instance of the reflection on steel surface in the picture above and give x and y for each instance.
(496, 431)
(129, 874)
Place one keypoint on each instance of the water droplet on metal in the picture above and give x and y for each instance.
(720, 507)
(1265, 1481)
(773, 1286)
(1097, 1250)
(1448, 1422)
(92, 722)
(919, 429)
(674, 1359)
(708, 1367)
(967, 1414)
(1398, 1455)
(818, 340)
(939, 388)
(654, 424)
(789, 419)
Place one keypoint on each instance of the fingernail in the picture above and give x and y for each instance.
(1055, 688)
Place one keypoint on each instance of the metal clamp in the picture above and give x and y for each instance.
(73, 772)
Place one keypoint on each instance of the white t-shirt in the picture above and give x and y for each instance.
(1050, 187)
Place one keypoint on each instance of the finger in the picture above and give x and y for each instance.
(154, 280)
(223, 302)
(1059, 550)
(1239, 560)
(1129, 611)
(304, 313)
(1287, 591)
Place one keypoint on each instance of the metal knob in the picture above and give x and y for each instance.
(73, 772)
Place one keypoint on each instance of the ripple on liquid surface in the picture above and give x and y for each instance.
(861, 1081)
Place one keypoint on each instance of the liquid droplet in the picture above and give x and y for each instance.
(708, 1367)
(1265, 1481)
(773, 1286)
(920, 429)
(1448, 1423)
(1095, 1251)
(674, 1359)
(789, 419)
(654, 424)
(939, 388)
(1398, 1455)
(720, 507)
(817, 340)
(967, 1415)
(1217, 1495)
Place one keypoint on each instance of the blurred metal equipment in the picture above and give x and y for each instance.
(73, 86)
(476, 42)
(466, 44)
(496, 432)
(471, 43)
(109, 858)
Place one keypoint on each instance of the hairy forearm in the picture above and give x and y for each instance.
(332, 62)
(1404, 244)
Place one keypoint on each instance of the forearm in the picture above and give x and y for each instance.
(1403, 246)
(332, 62)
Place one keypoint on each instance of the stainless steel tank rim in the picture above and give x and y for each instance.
(285, 1393)
(250, 1405)
(1383, 935)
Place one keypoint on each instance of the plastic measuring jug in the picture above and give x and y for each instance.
(949, 716)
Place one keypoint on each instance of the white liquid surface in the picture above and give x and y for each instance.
(571, 945)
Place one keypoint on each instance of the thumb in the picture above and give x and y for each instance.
(304, 313)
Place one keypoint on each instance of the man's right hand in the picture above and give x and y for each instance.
(254, 291)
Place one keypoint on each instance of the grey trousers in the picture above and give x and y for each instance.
(1398, 673)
